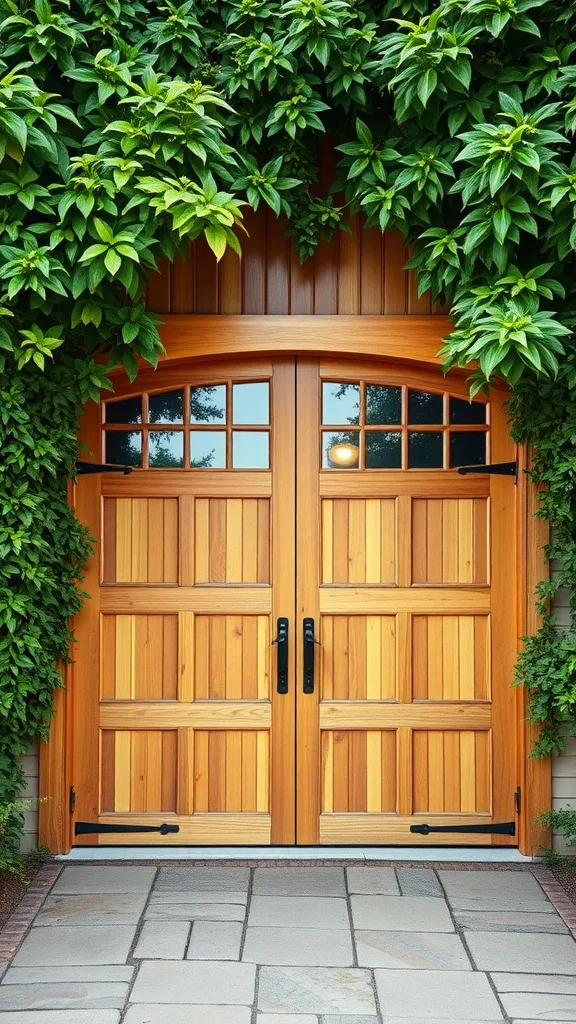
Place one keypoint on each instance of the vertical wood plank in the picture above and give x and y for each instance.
(186, 658)
(206, 278)
(326, 277)
(277, 265)
(230, 282)
(254, 263)
(349, 268)
(395, 277)
(183, 282)
(374, 771)
(372, 271)
(301, 285)
(404, 770)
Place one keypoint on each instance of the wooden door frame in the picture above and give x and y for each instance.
(404, 339)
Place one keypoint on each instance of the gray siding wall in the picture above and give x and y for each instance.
(30, 763)
(564, 765)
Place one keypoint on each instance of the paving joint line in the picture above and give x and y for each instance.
(22, 918)
(460, 931)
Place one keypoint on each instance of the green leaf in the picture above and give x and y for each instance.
(426, 85)
(216, 238)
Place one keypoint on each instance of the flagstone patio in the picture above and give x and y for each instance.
(292, 945)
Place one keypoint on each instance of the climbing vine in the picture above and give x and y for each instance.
(129, 128)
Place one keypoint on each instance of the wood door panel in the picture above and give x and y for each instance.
(410, 580)
(196, 566)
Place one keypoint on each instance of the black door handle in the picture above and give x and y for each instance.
(281, 642)
(309, 641)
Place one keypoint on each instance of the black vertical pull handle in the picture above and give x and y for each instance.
(309, 641)
(281, 642)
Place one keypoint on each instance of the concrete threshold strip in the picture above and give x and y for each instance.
(355, 854)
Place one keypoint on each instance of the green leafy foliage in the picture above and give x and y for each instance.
(129, 128)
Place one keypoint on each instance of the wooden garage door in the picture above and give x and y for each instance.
(185, 725)
(408, 570)
(297, 489)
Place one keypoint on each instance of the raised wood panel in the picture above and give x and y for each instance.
(232, 657)
(138, 771)
(140, 540)
(452, 771)
(139, 657)
(231, 771)
(451, 657)
(358, 771)
(232, 540)
(450, 540)
(359, 540)
(358, 657)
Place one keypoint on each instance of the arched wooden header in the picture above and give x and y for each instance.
(357, 273)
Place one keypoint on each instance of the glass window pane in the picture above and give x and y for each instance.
(208, 449)
(250, 403)
(340, 403)
(166, 408)
(468, 448)
(250, 449)
(425, 450)
(462, 411)
(166, 449)
(208, 404)
(340, 451)
(124, 447)
(424, 407)
(127, 410)
(383, 404)
(383, 450)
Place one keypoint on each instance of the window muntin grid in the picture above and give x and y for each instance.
(384, 426)
(220, 425)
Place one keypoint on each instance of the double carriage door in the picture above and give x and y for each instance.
(296, 490)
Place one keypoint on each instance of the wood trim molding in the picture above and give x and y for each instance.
(535, 774)
(414, 338)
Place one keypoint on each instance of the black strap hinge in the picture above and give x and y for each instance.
(495, 468)
(83, 468)
(72, 800)
(503, 828)
(89, 828)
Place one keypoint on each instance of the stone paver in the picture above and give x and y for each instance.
(508, 921)
(77, 880)
(162, 940)
(186, 1014)
(298, 912)
(421, 951)
(401, 914)
(92, 908)
(203, 879)
(419, 882)
(194, 911)
(315, 990)
(63, 945)
(498, 951)
(377, 881)
(289, 1018)
(301, 964)
(303, 881)
(215, 940)
(35, 975)
(62, 996)
(168, 898)
(446, 995)
(61, 1017)
(299, 947)
(562, 984)
(209, 982)
(539, 1006)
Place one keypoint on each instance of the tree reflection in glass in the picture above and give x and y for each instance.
(167, 407)
(340, 403)
(207, 449)
(166, 449)
(208, 404)
(124, 447)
